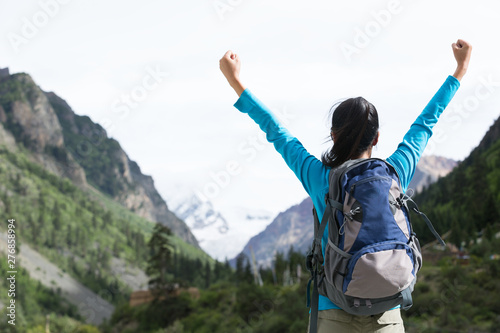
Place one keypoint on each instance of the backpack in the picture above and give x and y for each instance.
(372, 256)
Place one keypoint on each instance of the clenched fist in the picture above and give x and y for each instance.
(230, 66)
(462, 51)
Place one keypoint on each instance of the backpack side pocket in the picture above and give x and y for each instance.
(336, 262)
(380, 270)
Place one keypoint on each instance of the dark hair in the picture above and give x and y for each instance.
(355, 125)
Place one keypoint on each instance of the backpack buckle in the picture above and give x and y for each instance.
(313, 262)
(309, 262)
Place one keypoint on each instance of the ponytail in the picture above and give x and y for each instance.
(355, 126)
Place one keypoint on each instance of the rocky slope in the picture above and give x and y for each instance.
(94, 309)
(27, 116)
(74, 147)
(429, 170)
(293, 227)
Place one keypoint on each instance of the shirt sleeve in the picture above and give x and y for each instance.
(308, 169)
(409, 151)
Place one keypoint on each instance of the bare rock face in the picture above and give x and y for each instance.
(7, 140)
(293, 227)
(154, 206)
(3, 116)
(31, 120)
(37, 118)
(430, 169)
(4, 73)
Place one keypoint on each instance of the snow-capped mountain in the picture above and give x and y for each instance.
(221, 233)
(200, 214)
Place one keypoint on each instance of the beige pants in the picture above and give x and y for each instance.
(339, 321)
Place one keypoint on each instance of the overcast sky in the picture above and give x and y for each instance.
(148, 71)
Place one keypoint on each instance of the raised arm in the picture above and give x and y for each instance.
(309, 170)
(409, 151)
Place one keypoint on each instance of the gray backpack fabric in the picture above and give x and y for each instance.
(372, 256)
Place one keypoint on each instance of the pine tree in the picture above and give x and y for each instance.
(239, 268)
(107, 219)
(116, 248)
(280, 265)
(207, 274)
(94, 221)
(8, 205)
(56, 215)
(53, 238)
(160, 249)
(139, 245)
(217, 270)
(32, 226)
(69, 236)
(247, 274)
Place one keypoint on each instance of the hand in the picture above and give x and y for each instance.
(230, 66)
(462, 51)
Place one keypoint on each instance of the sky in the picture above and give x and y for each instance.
(148, 71)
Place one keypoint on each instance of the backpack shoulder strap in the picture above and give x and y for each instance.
(315, 257)
(319, 228)
(334, 198)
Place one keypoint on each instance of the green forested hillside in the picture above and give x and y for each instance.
(467, 201)
(463, 293)
(56, 215)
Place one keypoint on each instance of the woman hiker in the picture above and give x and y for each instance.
(354, 132)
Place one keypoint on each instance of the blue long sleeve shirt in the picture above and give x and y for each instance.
(313, 174)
